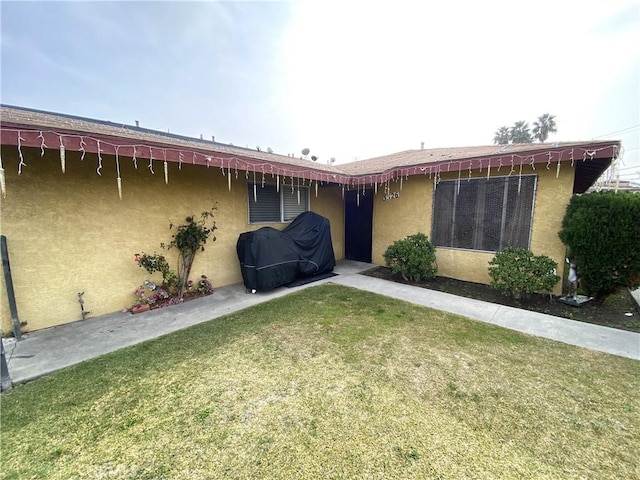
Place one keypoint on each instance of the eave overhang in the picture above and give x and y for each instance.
(111, 142)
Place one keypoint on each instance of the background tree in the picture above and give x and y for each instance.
(520, 133)
(602, 233)
(542, 127)
(502, 136)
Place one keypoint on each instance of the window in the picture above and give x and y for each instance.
(484, 214)
(271, 206)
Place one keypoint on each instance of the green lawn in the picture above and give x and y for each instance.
(331, 382)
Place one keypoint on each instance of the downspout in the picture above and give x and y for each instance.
(10, 292)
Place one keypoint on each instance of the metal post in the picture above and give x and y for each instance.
(9, 283)
(4, 369)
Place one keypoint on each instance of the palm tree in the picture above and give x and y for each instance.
(520, 133)
(545, 125)
(502, 136)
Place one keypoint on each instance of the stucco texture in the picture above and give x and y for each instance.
(412, 212)
(69, 232)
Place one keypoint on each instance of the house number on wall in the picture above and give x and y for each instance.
(391, 196)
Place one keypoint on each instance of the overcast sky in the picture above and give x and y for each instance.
(346, 79)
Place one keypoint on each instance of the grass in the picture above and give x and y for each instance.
(331, 382)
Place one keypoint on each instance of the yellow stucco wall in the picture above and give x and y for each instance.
(329, 204)
(411, 212)
(69, 233)
(396, 218)
(550, 208)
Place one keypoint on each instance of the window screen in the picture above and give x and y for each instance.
(292, 206)
(484, 214)
(271, 206)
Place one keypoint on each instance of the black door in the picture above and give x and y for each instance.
(358, 218)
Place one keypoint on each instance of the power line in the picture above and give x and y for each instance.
(624, 130)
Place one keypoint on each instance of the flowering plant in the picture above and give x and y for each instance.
(159, 296)
(202, 287)
(188, 238)
(143, 293)
(153, 295)
(141, 296)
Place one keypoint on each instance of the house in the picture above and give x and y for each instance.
(617, 185)
(81, 197)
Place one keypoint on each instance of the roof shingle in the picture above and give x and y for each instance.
(380, 168)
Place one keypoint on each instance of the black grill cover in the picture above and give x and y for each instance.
(270, 258)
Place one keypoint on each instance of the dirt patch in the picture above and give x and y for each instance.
(612, 313)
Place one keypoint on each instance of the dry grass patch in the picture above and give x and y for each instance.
(331, 382)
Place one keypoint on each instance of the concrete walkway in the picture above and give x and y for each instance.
(45, 351)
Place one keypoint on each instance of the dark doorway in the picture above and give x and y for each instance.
(358, 219)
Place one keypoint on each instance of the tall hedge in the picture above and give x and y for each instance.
(602, 233)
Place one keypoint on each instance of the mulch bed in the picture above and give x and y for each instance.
(612, 313)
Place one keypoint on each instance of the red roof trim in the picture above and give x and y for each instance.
(498, 162)
(153, 151)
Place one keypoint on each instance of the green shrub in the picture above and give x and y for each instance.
(414, 257)
(602, 233)
(157, 263)
(517, 271)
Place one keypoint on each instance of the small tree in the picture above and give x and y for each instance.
(517, 271)
(602, 233)
(190, 238)
(414, 257)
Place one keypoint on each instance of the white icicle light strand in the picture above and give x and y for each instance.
(3, 186)
(275, 169)
(118, 179)
(63, 160)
